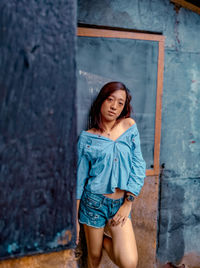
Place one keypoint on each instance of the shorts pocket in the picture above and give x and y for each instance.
(91, 202)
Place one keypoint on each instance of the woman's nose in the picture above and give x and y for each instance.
(114, 105)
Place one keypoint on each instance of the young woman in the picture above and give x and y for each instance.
(111, 173)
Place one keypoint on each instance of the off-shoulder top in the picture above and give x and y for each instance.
(105, 164)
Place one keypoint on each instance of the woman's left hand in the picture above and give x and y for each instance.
(122, 214)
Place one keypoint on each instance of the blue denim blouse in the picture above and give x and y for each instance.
(104, 164)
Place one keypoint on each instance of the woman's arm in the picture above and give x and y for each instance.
(138, 167)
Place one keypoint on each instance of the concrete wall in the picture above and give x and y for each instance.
(179, 215)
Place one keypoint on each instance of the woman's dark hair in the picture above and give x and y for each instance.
(105, 92)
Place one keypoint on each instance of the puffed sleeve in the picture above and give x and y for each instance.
(138, 165)
(82, 169)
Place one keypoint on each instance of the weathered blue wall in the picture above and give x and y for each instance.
(37, 126)
(179, 222)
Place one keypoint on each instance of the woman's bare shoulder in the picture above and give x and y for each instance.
(92, 130)
(128, 122)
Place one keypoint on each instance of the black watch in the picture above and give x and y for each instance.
(130, 198)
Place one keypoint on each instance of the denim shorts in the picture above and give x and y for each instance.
(96, 209)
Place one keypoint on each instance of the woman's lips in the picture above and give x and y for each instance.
(112, 113)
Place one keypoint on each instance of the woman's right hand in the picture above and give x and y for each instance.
(122, 214)
(77, 231)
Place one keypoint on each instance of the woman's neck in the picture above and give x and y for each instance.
(109, 125)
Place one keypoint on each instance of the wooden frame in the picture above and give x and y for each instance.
(92, 32)
(186, 4)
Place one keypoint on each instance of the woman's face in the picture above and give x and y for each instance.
(112, 107)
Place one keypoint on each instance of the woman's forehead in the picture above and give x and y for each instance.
(119, 94)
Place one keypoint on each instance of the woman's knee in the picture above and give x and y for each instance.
(129, 262)
(95, 257)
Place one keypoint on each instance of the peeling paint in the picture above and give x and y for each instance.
(65, 238)
(12, 248)
(94, 81)
(62, 238)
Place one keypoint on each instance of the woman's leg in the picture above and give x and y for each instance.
(122, 247)
(94, 239)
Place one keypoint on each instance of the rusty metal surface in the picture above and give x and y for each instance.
(144, 218)
(62, 259)
(189, 260)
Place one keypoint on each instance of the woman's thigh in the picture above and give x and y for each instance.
(124, 244)
(94, 239)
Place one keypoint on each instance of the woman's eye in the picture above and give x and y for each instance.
(121, 103)
(109, 99)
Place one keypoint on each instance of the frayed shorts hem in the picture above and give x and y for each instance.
(97, 227)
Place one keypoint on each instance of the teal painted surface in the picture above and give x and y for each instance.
(180, 144)
(181, 114)
(180, 216)
(37, 126)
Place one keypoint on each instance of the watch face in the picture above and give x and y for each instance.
(130, 198)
